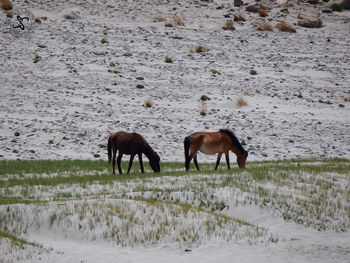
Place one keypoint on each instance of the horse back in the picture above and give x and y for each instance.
(128, 143)
(210, 142)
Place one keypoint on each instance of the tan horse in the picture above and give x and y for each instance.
(131, 144)
(209, 143)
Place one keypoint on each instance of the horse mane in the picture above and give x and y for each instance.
(234, 139)
(150, 153)
(147, 149)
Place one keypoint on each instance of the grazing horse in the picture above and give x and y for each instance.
(131, 144)
(219, 142)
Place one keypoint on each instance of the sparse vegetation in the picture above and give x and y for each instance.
(36, 59)
(228, 26)
(215, 72)
(263, 12)
(264, 26)
(203, 108)
(6, 5)
(104, 41)
(285, 27)
(168, 60)
(148, 103)
(253, 72)
(241, 101)
(204, 98)
(336, 7)
(199, 49)
(159, 19)
(178, 21)
(315, 195)
(113, 71)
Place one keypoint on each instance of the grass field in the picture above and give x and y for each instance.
(82, 200)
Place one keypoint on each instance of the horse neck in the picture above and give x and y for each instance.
(148, 151)
(238, 151)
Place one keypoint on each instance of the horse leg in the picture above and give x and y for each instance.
(119, 159)
(141, 163)
(227, 160)
(130, 162)
(187, 144)
(218, 161)
(196, 162)
(196, 145)
(187, 163)
(113, 159)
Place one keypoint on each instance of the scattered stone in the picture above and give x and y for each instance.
(72, 16)
(327, 11)
(253, 8)
(309, 19)
(238, 3)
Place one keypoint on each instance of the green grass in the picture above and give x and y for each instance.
(310, 192)
(48, 166)
(16, 240)
(86, 171)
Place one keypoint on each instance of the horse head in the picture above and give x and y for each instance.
(154, 162)
(241, 159)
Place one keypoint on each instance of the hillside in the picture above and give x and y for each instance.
(73, 82)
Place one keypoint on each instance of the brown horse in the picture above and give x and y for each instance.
(219, 142)
(131, 144)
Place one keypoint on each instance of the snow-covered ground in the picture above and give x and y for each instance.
(83, 87)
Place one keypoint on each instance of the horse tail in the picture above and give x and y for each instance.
(187, 143)
(109, 147)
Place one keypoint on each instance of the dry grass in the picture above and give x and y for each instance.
(228, 26)
(247, 93)
(239, 17)
(203, 108)
(159, 19)
(105, 31)
(148, 103)
(6, 5)
(199, 49)
(178, 21)
(346, 98)
(285, 27)
(264, 26)
(263, 12)
(241, 101)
